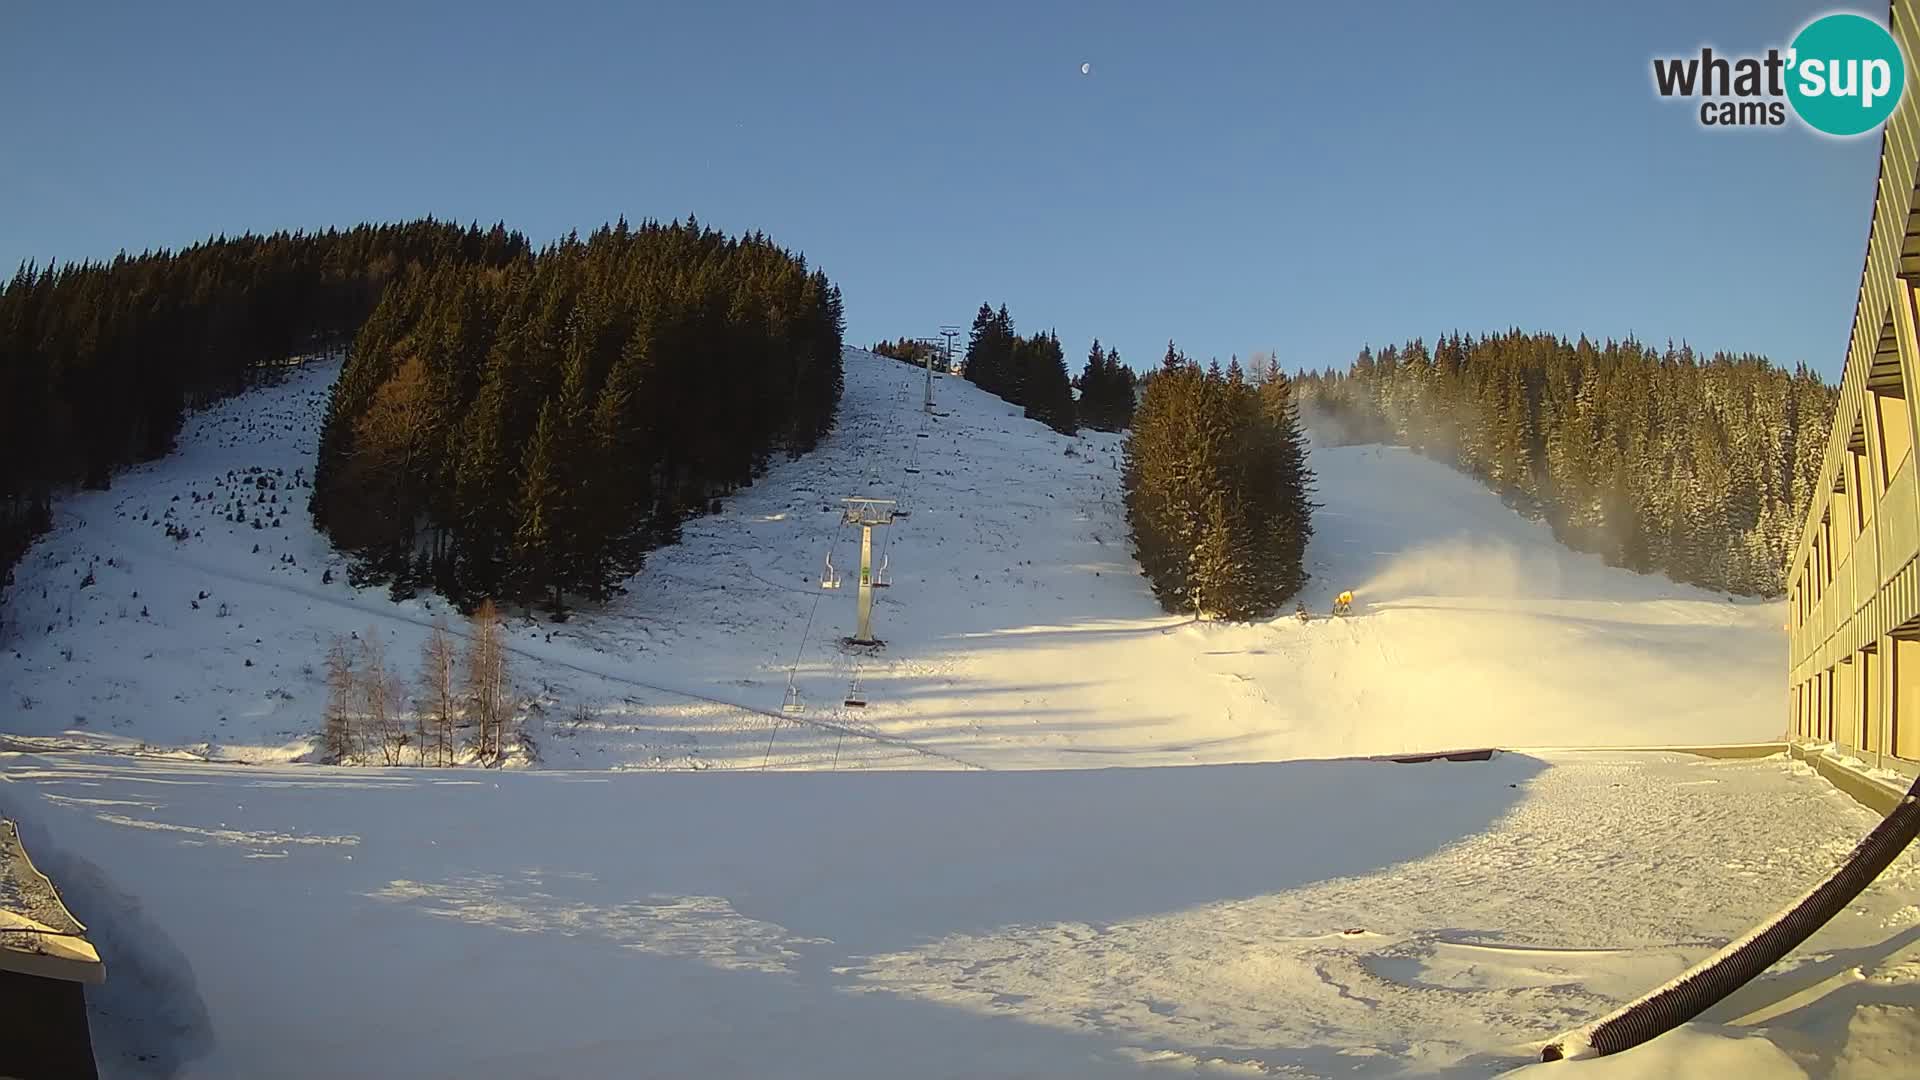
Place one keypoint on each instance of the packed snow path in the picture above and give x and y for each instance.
(1309, 919)
(1019, 632)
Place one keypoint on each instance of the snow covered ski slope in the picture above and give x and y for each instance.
(1019, 633)
(1297, 919)
(870, 911)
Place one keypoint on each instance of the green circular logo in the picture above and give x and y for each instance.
(1845, 74)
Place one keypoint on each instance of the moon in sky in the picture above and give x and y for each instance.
(1086, 69)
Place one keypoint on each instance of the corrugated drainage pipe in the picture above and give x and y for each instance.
(1704, 984)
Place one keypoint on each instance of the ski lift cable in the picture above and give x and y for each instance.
(833, 541)
(791, 701)
(794, 668)
(874, 450)
(854, 699)
(813, 611)
(925, 432)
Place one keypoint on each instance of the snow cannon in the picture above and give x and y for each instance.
(1343, 603)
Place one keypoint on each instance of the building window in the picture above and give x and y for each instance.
(1896, 433)
(1857, 483)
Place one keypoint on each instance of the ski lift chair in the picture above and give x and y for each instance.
(830, 578)
(880, 578)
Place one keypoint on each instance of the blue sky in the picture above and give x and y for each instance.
(1236, 176)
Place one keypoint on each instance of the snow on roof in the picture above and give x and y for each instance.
(38, 935)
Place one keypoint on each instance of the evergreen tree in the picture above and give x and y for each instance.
(1048, 393)
(1091, 384)
(1106, 391)
(1292, 478)
(981, 354)
(991, 363)
(1217, 490)
(537, 551)
(1122, 390)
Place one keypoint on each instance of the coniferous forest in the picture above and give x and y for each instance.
(99, 362)
(910, 351)
(1658, 460)
(1106, 386)
(1107, 390)
(528, 432)
(1217, 488)
(1027, 371)
(510, 424)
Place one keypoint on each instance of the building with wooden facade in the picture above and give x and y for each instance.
(1853, 585)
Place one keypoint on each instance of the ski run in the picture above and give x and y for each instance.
(1066, 835)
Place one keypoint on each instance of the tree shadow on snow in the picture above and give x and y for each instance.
(674, 924)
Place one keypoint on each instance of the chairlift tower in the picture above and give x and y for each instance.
(928, 343)
(947, 332)
(868, 514)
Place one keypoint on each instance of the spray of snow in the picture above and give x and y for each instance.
(1467, 567)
